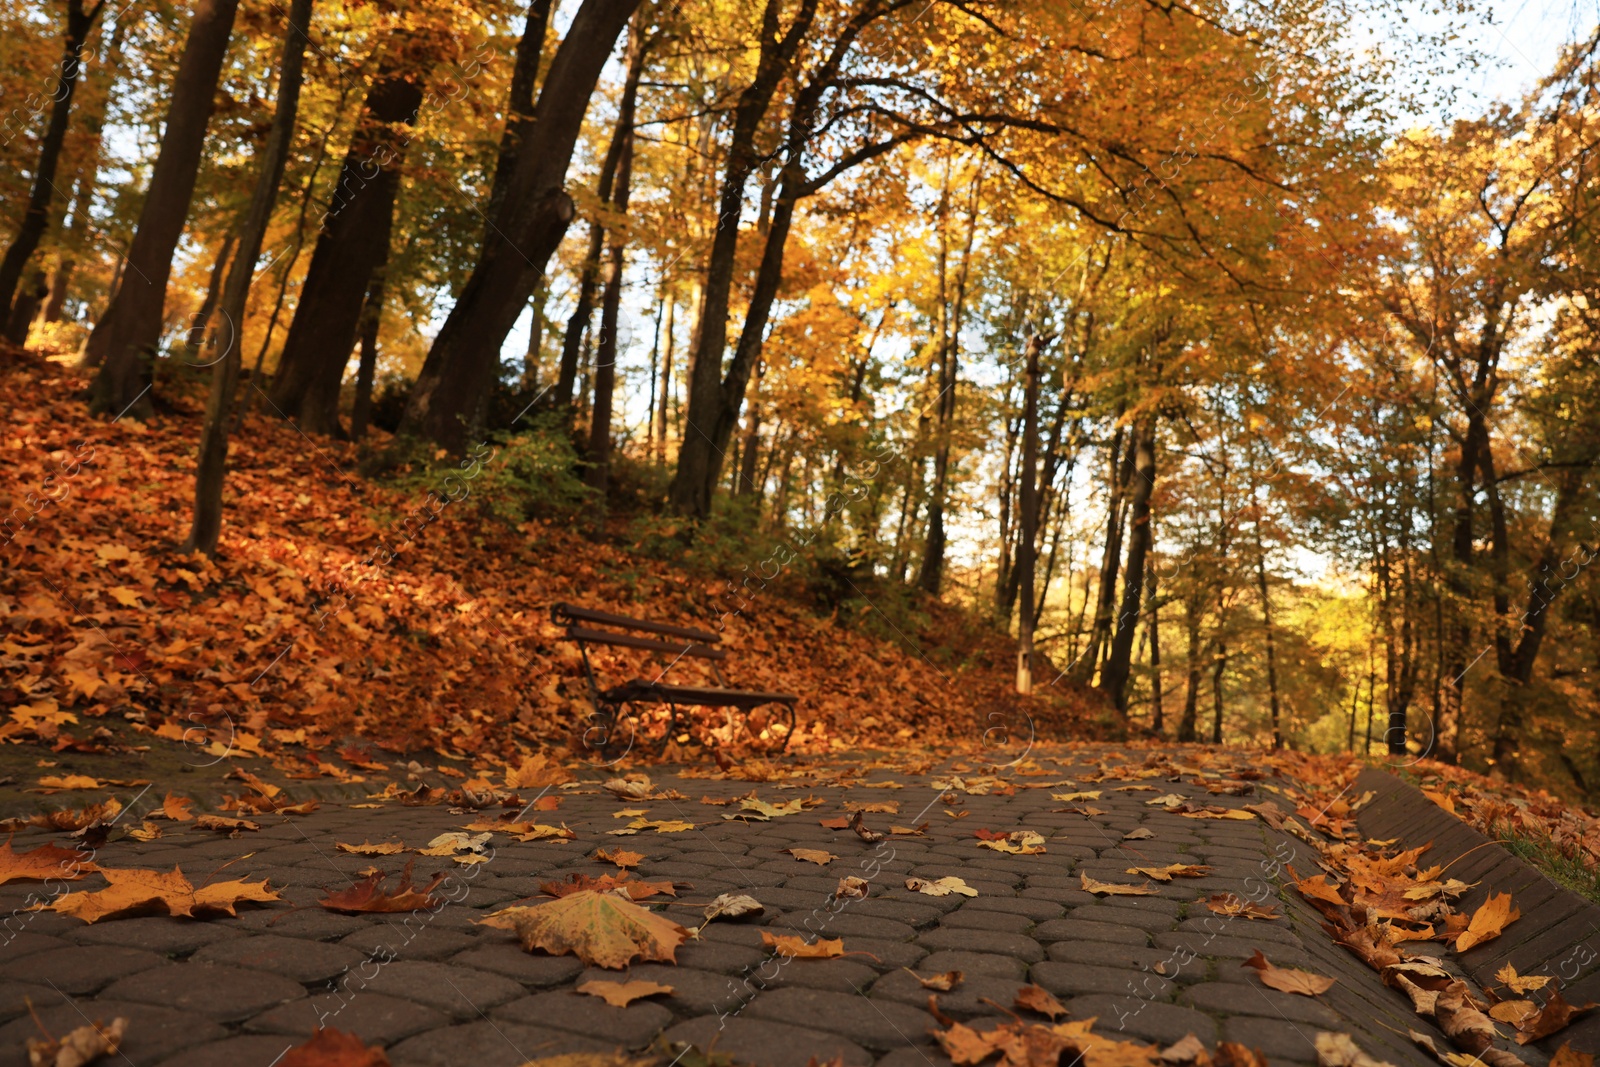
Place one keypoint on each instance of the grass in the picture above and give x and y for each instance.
(1569, 872)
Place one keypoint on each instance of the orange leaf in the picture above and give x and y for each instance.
(334, 1048)
(365, 896)
(798, 948)
(133, 890)
(1288, 979)
(620, 856)
(1033, 998)
(46, 861)
(1488, 922)
(601, 929)
(621, 994)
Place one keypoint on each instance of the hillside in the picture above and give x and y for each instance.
(342, 608)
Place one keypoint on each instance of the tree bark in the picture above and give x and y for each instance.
(1028, 518)
(606, 352)
(446, 404)
(225, 326)
(1266, 627)
(128, 334)
(700, 451)
(352, 241)
(200, 321)
(1152, 609)
(36, 216)
(1191, 695)
(1219, 665)
(519, 100)
(366, 370)
(666, 383)
(1114, 676)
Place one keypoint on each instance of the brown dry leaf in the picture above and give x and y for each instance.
(334, 1048)
(224, 825)
(145, 831)
(1141, 834)
(1338, 1050)
(610, 883)
(734, 906)
(798, 948)
(1172, 870)
(1513, 1011)
(859, 825)
(851, 887)
(44, 862)
(619, 856)
(1521, 983)
(1068, 798)
(601, 929)
(1017, 843)
(1233, 1054)
(1567, 1056)
(838, 822)
(365, 896)
(876, 807)
(536, 772)
(811, 855)
(1488, 922)
(1288, 979)
(660, 826)
(1231, 905)
(1115, 889)
(1034, 998)
(621, 994)
(79, 1047)
(132, 890)
(367, 848)
(942, 983)
(942, 887)
(1445, 1056)
(56, 783)
(909, 831)
(1317, 888)
(1556, 1015)
(1189, 1051)
(177, 808)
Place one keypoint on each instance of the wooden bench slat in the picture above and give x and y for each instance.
(564, 613)
(604, 637)
(698, 696)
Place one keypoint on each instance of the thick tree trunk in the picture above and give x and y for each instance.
(226, 325)
(36, 216)
(1114, 676)
(366, 369)
(1119, 469)
(128, 334)
(746, 484)
(446, 404)
(352, 242)
(519, 101)
(704, 440)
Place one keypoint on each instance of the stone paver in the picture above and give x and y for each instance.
(438, 989)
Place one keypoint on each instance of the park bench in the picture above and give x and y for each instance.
(611, 731)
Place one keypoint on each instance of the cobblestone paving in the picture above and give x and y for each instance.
(436, 988)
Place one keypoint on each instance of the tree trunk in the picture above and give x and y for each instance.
(36, 216)
(351, 243)
(127, 335)
(446, 404)
(199, 322)
(1028, 517)
(1266, 627)
(746, 485)
(666, 384)
(1119, 469)
(1152, 608)
(1114, 676)
(536, 320)
(699, 450)
(519, 100)
(225, 330)
(1219, 665)
(366, 370)
(1191, 695)
(605, 377)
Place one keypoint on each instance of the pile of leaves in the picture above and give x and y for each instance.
(341, 606)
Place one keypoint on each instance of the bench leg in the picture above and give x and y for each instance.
(602, 736)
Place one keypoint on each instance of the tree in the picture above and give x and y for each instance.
(446, 403)
(227, 324)
(129, 333)
(36, 218)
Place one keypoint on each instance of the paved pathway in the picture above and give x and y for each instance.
(435, 988)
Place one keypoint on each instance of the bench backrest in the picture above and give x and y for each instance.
(690, 642)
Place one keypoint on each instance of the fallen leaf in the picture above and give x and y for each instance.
(1018, 842)
(1171, 870)
(879, 807)
(1556, 1015)
(333, 1048)
(942, 887)
(1288, 979)
(601, 929)
(943, 983)
(633, 787)
(1513, 1011)
(811, 855)
(858, 824)
(1231, 905)
(1488, 922)
(1233, 1054)
(660, 826)
(1093, 794)
(224, 825)
(81, 1046)
(850, 886)
(134, 890)
(610, 883)
(1521, 983)
(1099, 888)
(798, 948)
(837, 822)
(1338, 1050)
(1189, 1051)
(367, 848)
(1567, 1056)
(1445, 1056)
(733, 906)
(448, 844)
(51, 783)
(1033, 998)
(619, 856)
(621, 994)
(42, 863)
(177, 808)
(366, 896)
(1141, 834)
